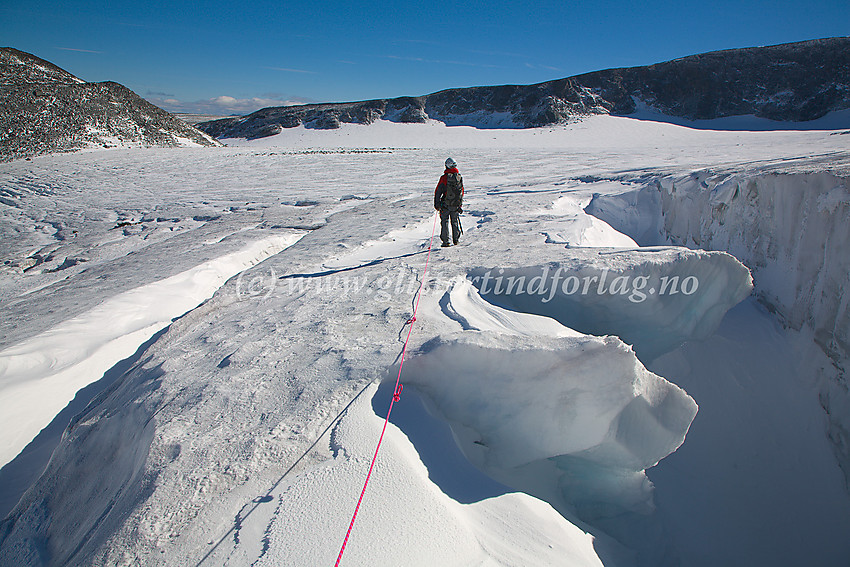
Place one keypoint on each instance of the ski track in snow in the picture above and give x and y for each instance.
(242, 471)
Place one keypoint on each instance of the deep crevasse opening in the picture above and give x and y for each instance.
(571, 418)
(791, 229)
(653, 299)
(762, 443)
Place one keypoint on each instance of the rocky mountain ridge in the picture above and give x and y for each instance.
(790, 82)
(45, 109)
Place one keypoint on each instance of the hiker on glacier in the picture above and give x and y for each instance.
(448, 199)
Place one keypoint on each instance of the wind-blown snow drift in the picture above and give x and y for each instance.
(571, 401)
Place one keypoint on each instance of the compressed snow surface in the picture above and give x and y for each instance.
(427, 527)
(242, 434)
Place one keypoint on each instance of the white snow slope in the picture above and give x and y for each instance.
(571, 397)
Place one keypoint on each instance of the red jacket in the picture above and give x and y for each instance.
(440, 191)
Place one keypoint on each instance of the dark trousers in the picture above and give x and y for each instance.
(445, 215)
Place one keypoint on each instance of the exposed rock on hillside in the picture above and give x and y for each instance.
(791, 82)
(45, 109)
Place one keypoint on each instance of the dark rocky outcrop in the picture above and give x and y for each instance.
(511, 106)
(44, 109)
(791, 82)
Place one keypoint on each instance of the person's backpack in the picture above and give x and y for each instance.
(454, 190)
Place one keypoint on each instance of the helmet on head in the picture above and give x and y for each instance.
(450, 163)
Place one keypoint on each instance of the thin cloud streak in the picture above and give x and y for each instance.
(420, 41)
(495, 53)
(287, 70)
(440, 62)
(223, 105)
(78, 50)
(543, 67)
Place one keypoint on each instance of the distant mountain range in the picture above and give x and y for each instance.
(791, 82)
(45, 109)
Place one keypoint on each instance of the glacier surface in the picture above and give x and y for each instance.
(241, 434)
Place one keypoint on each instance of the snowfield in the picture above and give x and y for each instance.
(635, 356)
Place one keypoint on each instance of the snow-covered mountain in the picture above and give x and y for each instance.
(790, 83)
(45, 109)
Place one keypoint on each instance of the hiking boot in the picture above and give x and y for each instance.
(455, 242)
(446, 244)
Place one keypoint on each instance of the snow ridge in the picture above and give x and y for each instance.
(38, 377)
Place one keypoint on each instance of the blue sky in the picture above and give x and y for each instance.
(223, 57)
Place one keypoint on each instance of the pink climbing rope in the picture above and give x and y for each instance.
(396, 394)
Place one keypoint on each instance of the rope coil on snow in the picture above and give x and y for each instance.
(396, 394)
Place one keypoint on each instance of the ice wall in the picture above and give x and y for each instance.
(653, 299)
(790, 229)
